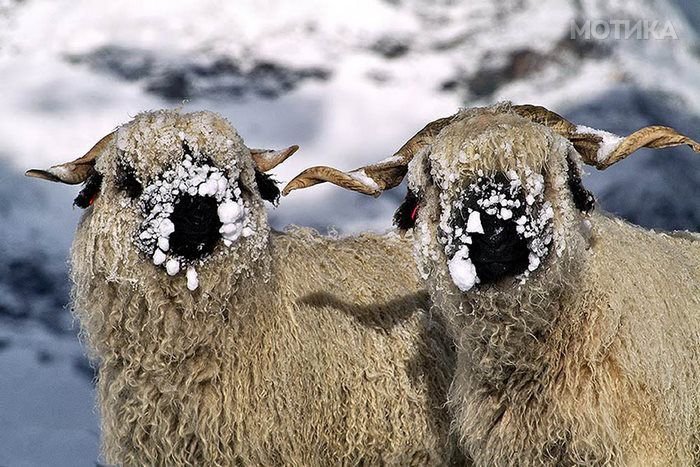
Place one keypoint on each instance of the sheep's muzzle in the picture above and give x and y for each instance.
(187, 211)
(197, 226)
(496, 249)
(496, 226)
(499, 252)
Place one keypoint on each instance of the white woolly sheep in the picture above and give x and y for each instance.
(220, 342)
(577, 333)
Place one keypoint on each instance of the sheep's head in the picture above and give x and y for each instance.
(175, 190)
(495, 194)
(484, 197)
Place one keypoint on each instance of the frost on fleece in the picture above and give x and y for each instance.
(475, 159)
(160, 201)
(241, 371)
(498, 198)
(581, 364)
(648, 411)
(195, 174)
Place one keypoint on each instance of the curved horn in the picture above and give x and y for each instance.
(370, 180)
(601, 148)
(268, 159)
(655, 137)
(376, 178)
(77, 171)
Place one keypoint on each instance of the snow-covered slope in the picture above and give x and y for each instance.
(348, 81)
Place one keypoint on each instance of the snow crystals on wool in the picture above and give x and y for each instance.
(494, 198)
(194, 176)
(462, 270)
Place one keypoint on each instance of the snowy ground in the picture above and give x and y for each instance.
(348, 81)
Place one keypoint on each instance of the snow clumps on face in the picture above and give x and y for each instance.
(609, 141)
(462, 270)
(535, 225)
(509, 199)
(194, 176)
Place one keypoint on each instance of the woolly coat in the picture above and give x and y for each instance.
(595, 358)
(606, 372)
(298, 350)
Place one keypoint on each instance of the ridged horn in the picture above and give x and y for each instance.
(268, 159)
(602, 149)
(655, 137)
(77, 171)
(371, 179)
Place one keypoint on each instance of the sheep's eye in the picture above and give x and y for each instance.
(90, 190)
(583, 199)
(406, 214)
(127, 182)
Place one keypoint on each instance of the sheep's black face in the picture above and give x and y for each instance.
(197, 226)
(188, 210)
(496, 248)
(498, 226)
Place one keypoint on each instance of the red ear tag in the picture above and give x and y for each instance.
(92, 200)
(414, 213)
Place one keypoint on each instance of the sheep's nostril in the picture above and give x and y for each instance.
(197, 226)
(498, 252)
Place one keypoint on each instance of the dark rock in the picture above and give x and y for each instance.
(580, 47)
(519, 65)
(171, 85)
(122, 62)
(391, 47)
(523, 63)
(178, 78)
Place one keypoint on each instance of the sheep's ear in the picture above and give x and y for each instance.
(77, 171)
(405, 215)
(268, 159)
(583, 199)
(89, 193)
(376, 178)
(600, 148)
(267, 186)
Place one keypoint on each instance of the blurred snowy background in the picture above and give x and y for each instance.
(347, 80)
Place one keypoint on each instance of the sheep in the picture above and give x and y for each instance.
(577, 333)
(222, 342)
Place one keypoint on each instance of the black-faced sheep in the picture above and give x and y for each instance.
(220, 342)
(578, 334)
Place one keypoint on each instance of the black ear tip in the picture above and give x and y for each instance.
(90, 190)
(267, 186)
(583, 199)
(404, 217)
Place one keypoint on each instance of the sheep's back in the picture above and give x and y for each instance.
(647, 288)
(371, 367)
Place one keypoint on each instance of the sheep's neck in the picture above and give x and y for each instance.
(170, 325)
(527, 345)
